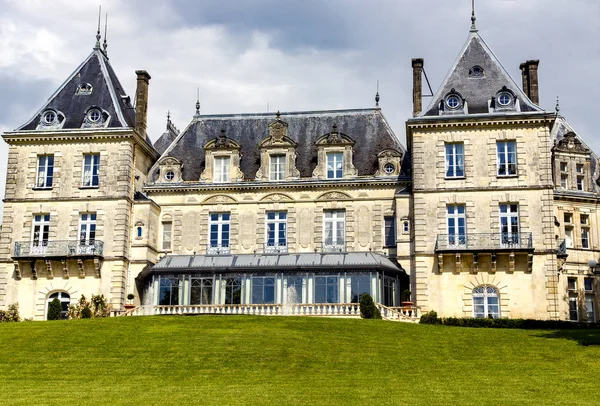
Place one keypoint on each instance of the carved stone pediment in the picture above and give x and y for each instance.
(334, 196)
(221, 142)
(278, 145)
(219, 199)
(571, 144)
(276, 197)
(335, 138)
(170, 170)
(390, 162)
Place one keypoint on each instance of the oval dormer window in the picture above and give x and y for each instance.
(476, 72)
(170, 175)
(504, 99)
(389, 168)
(94, 115)
(49, 117)
(453, 102)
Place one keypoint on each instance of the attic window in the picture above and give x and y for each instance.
(453, 102)
(84, 89)
(49, 117)
(476, 72)
(504, 99)
(94, 115)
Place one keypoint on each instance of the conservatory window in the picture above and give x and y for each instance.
(263, 290)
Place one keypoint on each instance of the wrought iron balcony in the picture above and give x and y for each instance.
(274, 248)
(58, 249)
(483, 242)
(218, 249)
(333, 247)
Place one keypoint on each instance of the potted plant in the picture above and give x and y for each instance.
(129, 305)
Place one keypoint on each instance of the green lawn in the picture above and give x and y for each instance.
(290, 360)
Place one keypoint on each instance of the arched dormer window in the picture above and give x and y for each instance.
(277, 154)
(51, 119)
(453, 103)
(504, 100)
(334, 156)
(222, 160)
(95, 117)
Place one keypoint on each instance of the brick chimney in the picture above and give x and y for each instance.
(141, 101)
(417, 65)
(529, 71)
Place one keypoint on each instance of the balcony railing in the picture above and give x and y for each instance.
(275, 248)
(484, 242)
(41, 249)
(334, 247)
(218, 249)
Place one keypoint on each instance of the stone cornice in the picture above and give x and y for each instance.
(66, 199)
(484, 120)
(574, 196)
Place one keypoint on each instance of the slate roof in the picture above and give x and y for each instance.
(477, 91)
(166, 138)
(317, 262)
(107, 93)
(367, 127)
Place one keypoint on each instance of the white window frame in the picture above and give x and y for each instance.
(453, 220)
(509, 158)
(564, 181)
(569, 236)
(574, 299)
(206, 287)
(334, 230)
(334, 165)
(277, 167)
(222, 225)
(40, 226)
(590, 308)
(221, 169)
(278, 224)
(87, 233)
(167, 235)
(584, 220)
(45, 171)
(509, 232)
(485, 293)
(455, 153)
(91, 168)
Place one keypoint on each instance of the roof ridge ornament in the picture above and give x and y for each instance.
(197, 103)
(473, 18)
(98, 36)
(557, 105)
(105, 44)
(377, 95)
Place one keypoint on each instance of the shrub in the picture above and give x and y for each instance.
(368, 310)
(96, 307)
(54, 310)
(86, 313)
(99, 307)
(430, 318)
(11, 314)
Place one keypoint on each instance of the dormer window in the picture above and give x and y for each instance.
(170, 170)
(277, 167)
(49, 117)
(94, 115)
(504, 99)
(476, 72)
(389, 168)
(453, 102)
(222, 160)
(277, 154)
(335, 165)
(334, 156)
(84, 89)
(221, 171)
(389, 163)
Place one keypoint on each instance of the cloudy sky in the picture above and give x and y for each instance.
(245, 55)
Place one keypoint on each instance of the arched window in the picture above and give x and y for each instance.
(486, 302)
(65, 300)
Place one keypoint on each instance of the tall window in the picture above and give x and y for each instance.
(219, 232)
(87, 233)
(277, 167)
(564, 181)
(233, 291)
(334, 228)
(509, 224)
(201, 291)
(569, 236)
(335, 165)
(580, 183)
(221, 173)
(457, 224)
(276, 232)
(65, 300)
(40, 232)
(455, 166)
(563, 167)
(263, 290)
(507, 158)
(169, 291)
(359, 285)
(45, 171)
(390, 231)
(326, 289)
(167, 229)
(585, 230)
(486, 302)
(590, 314)
(573, 309)
(91, 166)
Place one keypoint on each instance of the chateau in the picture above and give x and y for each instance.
(490, 210)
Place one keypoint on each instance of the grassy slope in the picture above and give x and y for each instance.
(277, 360)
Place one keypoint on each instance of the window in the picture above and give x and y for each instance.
(263, 290)
(169, 292)
(335, 165)
(453, 102)
(588, 284)
(579, 168)
(457, 221)
(486, 302)
(40, 232)
(405, 227)
(219, 233)
(563, 166)
(389, 168)
(49, 117)
(94, 115)
(573, 309)
(170, 175)
(201, 291)
(326, 289)
(91, 165)
(455, 160)
(509, 224)
(476, 72)
(139, 232)
(87, 233)
(507, 158)
(564, 181)
(389, 291)
(233, 291)
(334, 229)
(585, 230)
(45, 171)
(277, 165)
(568, 218)
(359, 285)
(276, 232)
(221, 173)
(65, 300)
(390, 231)
(580, 183)
(572, 284)
(590, 314)
(167, 229)
(294, 289)
(569, 236)
(504, 99)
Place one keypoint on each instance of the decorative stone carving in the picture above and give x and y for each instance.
(390, 162)
(219, 199)
(276, 197)
(330, 143)
(49, 269)
(334, 196)
(65, 269)
(222, 147)
(571, 144)
(81, 267)
(17, 270)
(170, 170)
(278, 144)
(33, 271)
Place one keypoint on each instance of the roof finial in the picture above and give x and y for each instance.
(105, 45)
(377, 95)
(168, 117)
(473, 18)
(197, 103)
(98, 36)
(557, 105)
(278, 115)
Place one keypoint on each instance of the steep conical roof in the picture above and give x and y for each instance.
(93, 85)
(477, 75)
